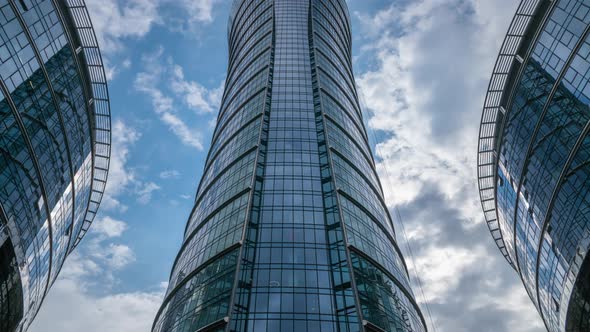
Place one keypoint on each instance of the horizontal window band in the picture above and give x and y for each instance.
(225, 169)
(406, 293)
(192, 274)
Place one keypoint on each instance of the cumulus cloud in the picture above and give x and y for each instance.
(430, 62)
(72, 306)
(109, 227)
(83, 297)
(101, 250)
(198, 11)
(117, 256)
(117, 20)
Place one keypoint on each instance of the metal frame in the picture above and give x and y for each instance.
(101, 150)
(487, 159)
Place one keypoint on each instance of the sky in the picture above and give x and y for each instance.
(422, 67)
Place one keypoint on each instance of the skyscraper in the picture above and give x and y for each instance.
(54, 146)
(534, 157)
(289, 231)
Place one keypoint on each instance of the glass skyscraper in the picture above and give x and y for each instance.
(289, 230)
(534, 157)
(54, 146)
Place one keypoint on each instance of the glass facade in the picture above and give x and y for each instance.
(289, 230)
(54, 146)
(534, 157)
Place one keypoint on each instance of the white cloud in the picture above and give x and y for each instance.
(114, 20)
(117, 20)
(440, 267)
(117, 256)
(188, 136)
(84, 297)
(199, 10)
(161, 75)
(124, 179)
(108, 227)
(193, 94)
(429, 65)
(169, 174)
(145, 192)
(73, 306)
(190, 15)
(427, 89)
(120, 175)
(100, 250)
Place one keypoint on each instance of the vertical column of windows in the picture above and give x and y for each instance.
(202, 300)
(537, 138)
(529, 100)
(42, 114)
(46, 30)
(30, 95)
(42, 28)
(289, 265)
(198, 299)
(389, 304)
(346, 300)
(558, 132)
(557, 39)
(566, 236)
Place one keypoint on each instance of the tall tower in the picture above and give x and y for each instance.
(534, 157)
(54, 146)
(289, 230)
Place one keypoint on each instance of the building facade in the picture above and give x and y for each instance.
(534, 157)
(289, 230)
(54, 146)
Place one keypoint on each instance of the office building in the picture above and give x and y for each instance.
(289, 231)
(534, 157)
(54, 146)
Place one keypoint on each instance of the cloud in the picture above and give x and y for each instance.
(120, 175)
(109, 227)
(100, 249)
(164, 82)
(117, 256)
(169, 174)
(428, 65)
(145, 192)
(73, 306)
(187, 135)
(123, 179)
(199, 11)
(190, 15)
(193, 94)
(84, 297)
(115, 20)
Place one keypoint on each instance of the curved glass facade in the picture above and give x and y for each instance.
(289, 231)
(54, 146)
(534, 157)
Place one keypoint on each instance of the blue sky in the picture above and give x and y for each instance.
(422, 66)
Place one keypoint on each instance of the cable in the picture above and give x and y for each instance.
(373, 142)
